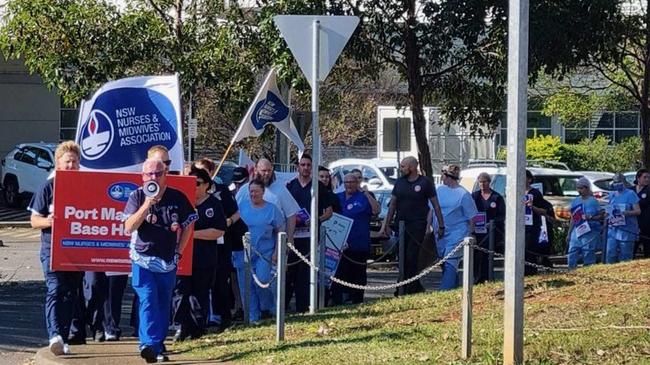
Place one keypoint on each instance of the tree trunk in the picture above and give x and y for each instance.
(643, 103)
(416, 92)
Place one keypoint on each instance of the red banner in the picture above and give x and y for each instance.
(88, 231)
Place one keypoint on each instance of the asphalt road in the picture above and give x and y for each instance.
(22, 324)
(13, 214)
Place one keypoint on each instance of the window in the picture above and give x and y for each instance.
(538, 125)
(617, 126)
(368, 173)
(28, 155)
(68, 123)
(390, 134)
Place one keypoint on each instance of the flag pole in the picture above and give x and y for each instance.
(225, 154)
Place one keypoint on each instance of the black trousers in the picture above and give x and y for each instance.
(413, 239)
(298, 276)
(352, 271)
(644, 241)
(191, 300)
(104, 296)
(222, 296)
(95, 292)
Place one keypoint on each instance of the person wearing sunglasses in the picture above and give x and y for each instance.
(160, 152)
(160, 228)
(191, 300)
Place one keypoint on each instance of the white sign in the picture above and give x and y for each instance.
(334, 34)
(335, 233)
(193, 128)
(337, 229)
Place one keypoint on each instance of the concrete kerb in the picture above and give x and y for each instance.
(12, 224)
(109, 353)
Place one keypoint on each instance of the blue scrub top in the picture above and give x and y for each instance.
(590, 207)
(261, 222)
(630, 230)
(357, 207)
(457, 207)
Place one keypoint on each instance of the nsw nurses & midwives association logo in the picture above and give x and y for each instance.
(96, 135)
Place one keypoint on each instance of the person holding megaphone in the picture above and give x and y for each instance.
(159, 219)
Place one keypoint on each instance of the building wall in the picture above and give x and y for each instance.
(29, 112)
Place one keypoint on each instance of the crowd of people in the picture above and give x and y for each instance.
(263, 205)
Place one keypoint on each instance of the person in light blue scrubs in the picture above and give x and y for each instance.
(458, 210)
(584, 231)
(623, 229)
(264, 221)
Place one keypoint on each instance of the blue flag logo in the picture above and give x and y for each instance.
(269, 110)
(123, 124)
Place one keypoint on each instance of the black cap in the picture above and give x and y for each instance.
(239, 175)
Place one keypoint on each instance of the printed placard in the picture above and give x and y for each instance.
(88, 232)
(480, 223)
(335, 233)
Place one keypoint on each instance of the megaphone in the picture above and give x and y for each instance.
(151, 189)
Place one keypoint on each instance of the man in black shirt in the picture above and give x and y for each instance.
(300, 189)
(410, 198)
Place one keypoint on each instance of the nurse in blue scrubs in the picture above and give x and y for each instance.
(458, 209)
(264, 221)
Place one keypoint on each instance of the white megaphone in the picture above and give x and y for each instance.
(151, 189)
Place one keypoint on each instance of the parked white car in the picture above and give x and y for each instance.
(377, 173)
(559, 186)
(24, 169)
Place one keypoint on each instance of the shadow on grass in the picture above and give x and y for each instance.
(532, 287)
(294, 345)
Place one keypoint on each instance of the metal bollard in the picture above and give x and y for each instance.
(321, 269)
(282, 273)
(468, 283)
(401, 254)
(247, 278)
(491, 243)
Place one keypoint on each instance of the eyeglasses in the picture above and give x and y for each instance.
(167, 162)
(350, 182)
(154, 174)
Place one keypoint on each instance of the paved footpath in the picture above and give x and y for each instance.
(22, 325)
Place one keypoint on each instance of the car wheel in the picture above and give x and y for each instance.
(11, 195)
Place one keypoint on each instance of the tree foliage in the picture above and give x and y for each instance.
(588, 155)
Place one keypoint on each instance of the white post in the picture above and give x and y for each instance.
(513, 323)
(468, 283)
(282, 273)
(313, 225)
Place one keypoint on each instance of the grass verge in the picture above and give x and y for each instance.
(595, 315)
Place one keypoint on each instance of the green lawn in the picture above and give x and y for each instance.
(598, 315)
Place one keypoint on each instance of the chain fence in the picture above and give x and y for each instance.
(388, 286)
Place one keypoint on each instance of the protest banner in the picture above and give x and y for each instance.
(125, 118)
(88, 232)
(336, 231)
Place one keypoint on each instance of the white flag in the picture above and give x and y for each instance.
(268, 108)
(126, 117)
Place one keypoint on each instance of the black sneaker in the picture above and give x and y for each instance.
(148, 354)
(76, 340)
(239, 315)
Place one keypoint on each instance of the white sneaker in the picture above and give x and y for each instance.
(66, 349)
(57, 347)
(110, 337)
